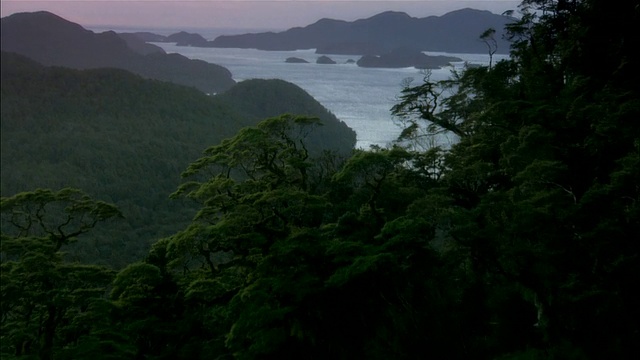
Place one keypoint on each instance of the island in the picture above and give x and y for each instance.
(325, 60)
(406, 57)
(295, 60)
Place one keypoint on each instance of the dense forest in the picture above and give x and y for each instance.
(125, 140)
(520, 241)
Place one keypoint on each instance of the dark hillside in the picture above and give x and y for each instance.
(113, 134)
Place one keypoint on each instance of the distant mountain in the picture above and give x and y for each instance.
(125, 139)
(52, 40)
(454, 32)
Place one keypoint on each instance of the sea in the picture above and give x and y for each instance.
(360, 97)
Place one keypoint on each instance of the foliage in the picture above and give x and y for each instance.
(48, 304)
(533, 177)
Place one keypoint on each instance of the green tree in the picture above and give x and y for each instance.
(279, 264)
(253, 188)
(48, 303)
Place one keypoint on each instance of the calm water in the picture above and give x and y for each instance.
(360, 97)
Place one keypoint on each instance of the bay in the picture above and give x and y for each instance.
(360, 97)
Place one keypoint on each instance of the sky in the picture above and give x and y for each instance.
(239, 14)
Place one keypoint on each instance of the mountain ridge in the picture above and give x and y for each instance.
(454, 32)
(54, 41)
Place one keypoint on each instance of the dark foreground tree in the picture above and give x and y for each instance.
(544, 181)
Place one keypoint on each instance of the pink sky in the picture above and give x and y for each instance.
(246, 14)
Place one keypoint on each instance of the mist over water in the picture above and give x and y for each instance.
(361, 97)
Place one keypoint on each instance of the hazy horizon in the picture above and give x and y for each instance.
(236, 14)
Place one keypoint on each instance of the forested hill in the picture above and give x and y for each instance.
(256, 99)
(126, 140)
(52, 40)
(454, 32)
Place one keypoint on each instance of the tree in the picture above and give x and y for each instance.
(283, 260)
(538, 205)
(46, 302)
(488, 38)
(255, 189)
